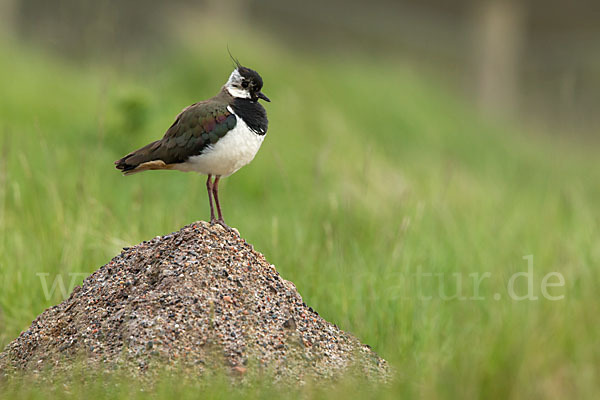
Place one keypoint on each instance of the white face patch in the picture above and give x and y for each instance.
(234, 86)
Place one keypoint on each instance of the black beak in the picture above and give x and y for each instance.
(261, 95)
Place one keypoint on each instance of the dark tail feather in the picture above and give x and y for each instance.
(140, 160)
(124, 166)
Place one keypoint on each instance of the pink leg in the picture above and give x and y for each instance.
(209, 188)
(215, 189)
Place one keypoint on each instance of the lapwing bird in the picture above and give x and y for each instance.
(215, 137)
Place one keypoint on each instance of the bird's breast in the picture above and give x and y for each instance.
(234, 150)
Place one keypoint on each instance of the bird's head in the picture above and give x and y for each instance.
(245, 83)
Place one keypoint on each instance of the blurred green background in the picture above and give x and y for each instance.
(452, 138)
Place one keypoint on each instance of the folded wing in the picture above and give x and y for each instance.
(195, 129)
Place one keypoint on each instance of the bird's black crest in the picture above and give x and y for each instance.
(235, 60)
(250, 74)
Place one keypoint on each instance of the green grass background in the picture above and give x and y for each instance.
(370, 171)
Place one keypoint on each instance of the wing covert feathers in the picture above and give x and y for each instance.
(194, 129)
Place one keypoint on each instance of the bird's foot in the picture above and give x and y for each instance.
(221, 222)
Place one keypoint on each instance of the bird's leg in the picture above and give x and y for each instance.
(209, 188)
(215, 188)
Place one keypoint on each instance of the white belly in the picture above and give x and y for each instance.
(236, 149)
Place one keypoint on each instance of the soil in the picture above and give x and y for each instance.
(200, 299)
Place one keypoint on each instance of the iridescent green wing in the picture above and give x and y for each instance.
(194, 129)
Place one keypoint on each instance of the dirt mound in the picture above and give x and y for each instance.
(201, 299)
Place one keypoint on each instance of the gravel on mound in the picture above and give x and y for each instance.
(200, 298)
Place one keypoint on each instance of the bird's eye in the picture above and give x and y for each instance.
(244, 84)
